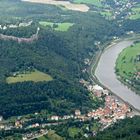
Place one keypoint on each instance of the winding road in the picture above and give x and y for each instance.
(105, 73)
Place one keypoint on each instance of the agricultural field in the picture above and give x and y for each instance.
(93, 2)
(107, 14)
(57, 26)
(135, 13)
(73, 131)
(128, 61)
(35, 76)
(50, 136)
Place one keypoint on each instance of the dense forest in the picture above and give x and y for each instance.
(128, 129)
(60, 54)
(56, 97)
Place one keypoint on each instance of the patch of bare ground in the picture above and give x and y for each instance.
(68, 5)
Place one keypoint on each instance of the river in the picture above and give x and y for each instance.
(105, 73)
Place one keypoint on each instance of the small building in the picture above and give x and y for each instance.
(77, 112)
(66, 117)
(97, 88)
(106, 92)
(4, 27)
(56, 118)
(35, 125)
(90, 88)
(2, 126)
(18, 124)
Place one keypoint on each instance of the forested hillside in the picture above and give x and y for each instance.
(64, 41)
(60, 54)
(128, 129)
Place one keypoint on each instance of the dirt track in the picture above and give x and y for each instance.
(66, 4)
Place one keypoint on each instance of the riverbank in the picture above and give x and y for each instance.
(97, 77)
(128, 65)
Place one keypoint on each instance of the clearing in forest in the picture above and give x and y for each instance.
(128, 62)
(135, 13)
(57, 26)
(35, 76)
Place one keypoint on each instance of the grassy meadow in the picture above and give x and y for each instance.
(57, 26)
(50, 136)
(35, 76)
(73, 131)
(107, 14)
(126, 64)
(135, 12)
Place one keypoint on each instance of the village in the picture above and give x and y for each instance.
(112, 111)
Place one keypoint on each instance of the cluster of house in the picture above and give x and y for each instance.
(34, 135)
(110, 113)
(77, 115)
(113, 109)
(6, 126)
(122, 6)
(23, 24)
(97, 90)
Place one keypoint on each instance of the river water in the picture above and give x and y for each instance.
(105, 72)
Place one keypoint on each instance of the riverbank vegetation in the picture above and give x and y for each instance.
(128, 65)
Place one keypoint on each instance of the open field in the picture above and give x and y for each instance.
(35, 76)
(73, 131)
(94, 2)
(107, 14)
(50, 136)
(57, 26)
(127, 63)
(53, 136)
(68, 5)
(135, 12)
